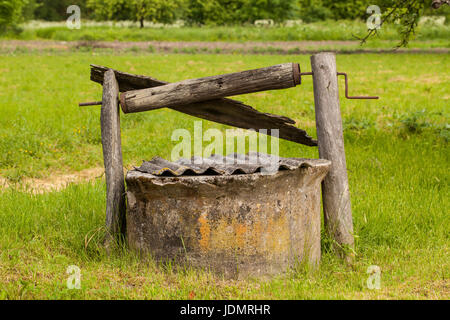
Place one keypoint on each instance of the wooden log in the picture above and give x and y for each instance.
(335, 189)
(281, 76)
(112, 157)
(126, 81)
(225, 111)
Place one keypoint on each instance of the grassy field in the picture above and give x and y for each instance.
(325, 30)
(397, 156)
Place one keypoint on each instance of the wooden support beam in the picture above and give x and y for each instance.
(335, 189)
(112, 157)
(127, 81)
(281, 76)
(223, 110)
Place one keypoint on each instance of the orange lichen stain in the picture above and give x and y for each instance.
(277, 236)
(234, 236)
(257, 235)
(267, 236)
(205, 233)
(240, 231)
(222, 236)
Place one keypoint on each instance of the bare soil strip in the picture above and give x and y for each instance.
(250, 47)
(53, 182)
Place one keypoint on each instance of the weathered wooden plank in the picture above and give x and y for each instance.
(112, 157)
(184, 92)
(225, 111)
(126, 81)
(336, 195)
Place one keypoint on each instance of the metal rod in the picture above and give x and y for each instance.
(92, 103)
(304, 74)
(346, 89)
(346, 86)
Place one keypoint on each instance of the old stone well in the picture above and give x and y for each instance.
(235, 220)
(232, 217)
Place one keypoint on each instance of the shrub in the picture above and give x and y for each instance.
(11, 13)
(221, 12)
(56, 10)
(315, 12)
(137, 10)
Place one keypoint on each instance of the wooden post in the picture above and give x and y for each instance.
(335, 190)
(112, 158)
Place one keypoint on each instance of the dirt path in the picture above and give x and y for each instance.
(275, 47)
(53, 182)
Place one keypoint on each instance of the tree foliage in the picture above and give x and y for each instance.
(223, 12)
(138, 10)
(405, 13)
(12, 13)
(313, 10)
(278, 10)
(56, 10)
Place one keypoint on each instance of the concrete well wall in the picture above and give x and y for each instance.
(239, 225)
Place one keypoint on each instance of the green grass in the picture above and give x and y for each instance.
(397, 155)
(325, 30)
